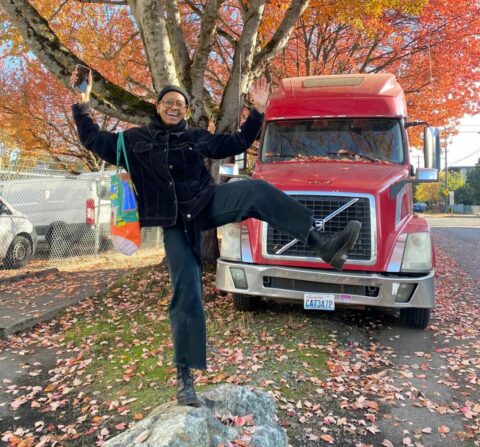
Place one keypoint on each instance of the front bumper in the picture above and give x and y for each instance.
(349, 288)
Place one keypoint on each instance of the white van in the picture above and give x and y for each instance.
(18, 239)
(66, 211)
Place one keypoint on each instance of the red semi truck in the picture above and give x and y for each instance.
(338, 145)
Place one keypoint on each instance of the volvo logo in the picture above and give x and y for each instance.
(319, 224)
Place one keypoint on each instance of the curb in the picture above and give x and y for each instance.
(28, 322)
(31, 322)
(38, 274)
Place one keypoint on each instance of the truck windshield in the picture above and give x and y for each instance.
(358, 139)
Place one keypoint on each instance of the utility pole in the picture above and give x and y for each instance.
(446, 174)
(446, 163)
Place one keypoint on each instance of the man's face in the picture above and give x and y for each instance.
(172, 108)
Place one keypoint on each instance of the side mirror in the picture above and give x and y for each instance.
(431, 147)
(231, 170)
(241, 160)
(423, 175)
(427, 175)
(228, 170)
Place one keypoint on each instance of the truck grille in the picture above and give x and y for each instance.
(322, 206)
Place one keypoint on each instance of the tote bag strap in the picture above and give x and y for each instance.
(121, 150)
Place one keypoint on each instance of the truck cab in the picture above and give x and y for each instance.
(338, 144)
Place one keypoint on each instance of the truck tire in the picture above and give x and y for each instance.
(106, 245)
(245, 303)
(416, 318)
(59, 241)
(19, 252)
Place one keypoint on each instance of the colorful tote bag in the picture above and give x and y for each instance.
(124, 221)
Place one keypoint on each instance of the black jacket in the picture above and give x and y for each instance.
(167, 163)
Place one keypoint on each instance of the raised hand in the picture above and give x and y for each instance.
(75, 79)
(259, 92)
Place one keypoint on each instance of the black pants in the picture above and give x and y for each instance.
(232, 202)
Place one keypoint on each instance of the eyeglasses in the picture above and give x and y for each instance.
(169, 103)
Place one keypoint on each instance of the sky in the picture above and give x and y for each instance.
(464, 148)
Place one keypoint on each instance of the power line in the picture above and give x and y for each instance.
(467, 156)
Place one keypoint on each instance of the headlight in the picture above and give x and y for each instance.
(230, 242)
(417, 256)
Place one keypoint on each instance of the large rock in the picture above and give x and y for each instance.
(230, 412)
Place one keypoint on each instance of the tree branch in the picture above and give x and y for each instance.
(106, 2)
(177, 43)
(151, 20)
(200, 59)
(367, 58)
(124, 44)
(220, 31)
(240, 76)
(42, 41)
(57, 9)
(148, 92)
(280, 37)
(418, 89)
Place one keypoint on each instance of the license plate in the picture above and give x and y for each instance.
(319, 301)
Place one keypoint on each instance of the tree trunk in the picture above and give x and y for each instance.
(210, 248)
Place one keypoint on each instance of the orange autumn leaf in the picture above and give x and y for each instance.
(328, 438)
(96, 420)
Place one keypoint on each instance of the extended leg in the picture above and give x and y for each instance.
(237, 201)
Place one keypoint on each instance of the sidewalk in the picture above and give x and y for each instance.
(35, 294)
(452, 220)
(461, 216)
(29, 299)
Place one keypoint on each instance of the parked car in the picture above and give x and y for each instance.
(18, 238)
(66, 211)
(419, 207)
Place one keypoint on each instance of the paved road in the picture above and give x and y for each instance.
(458, 238)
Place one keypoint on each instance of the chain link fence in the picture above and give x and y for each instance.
(50, 215)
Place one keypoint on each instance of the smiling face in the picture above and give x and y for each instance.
(172, 108)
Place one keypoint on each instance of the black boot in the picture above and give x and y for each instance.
(333, 248)
(186, 394)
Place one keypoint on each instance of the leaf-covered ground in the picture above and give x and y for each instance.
(105, 364)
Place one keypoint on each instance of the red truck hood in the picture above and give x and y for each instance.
(331, 176)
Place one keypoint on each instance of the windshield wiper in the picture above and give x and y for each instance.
(349, 153)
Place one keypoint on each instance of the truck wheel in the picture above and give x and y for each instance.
(416, 318)
(106, 245)
(59, 241)
(245, 303)
(19, 252)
